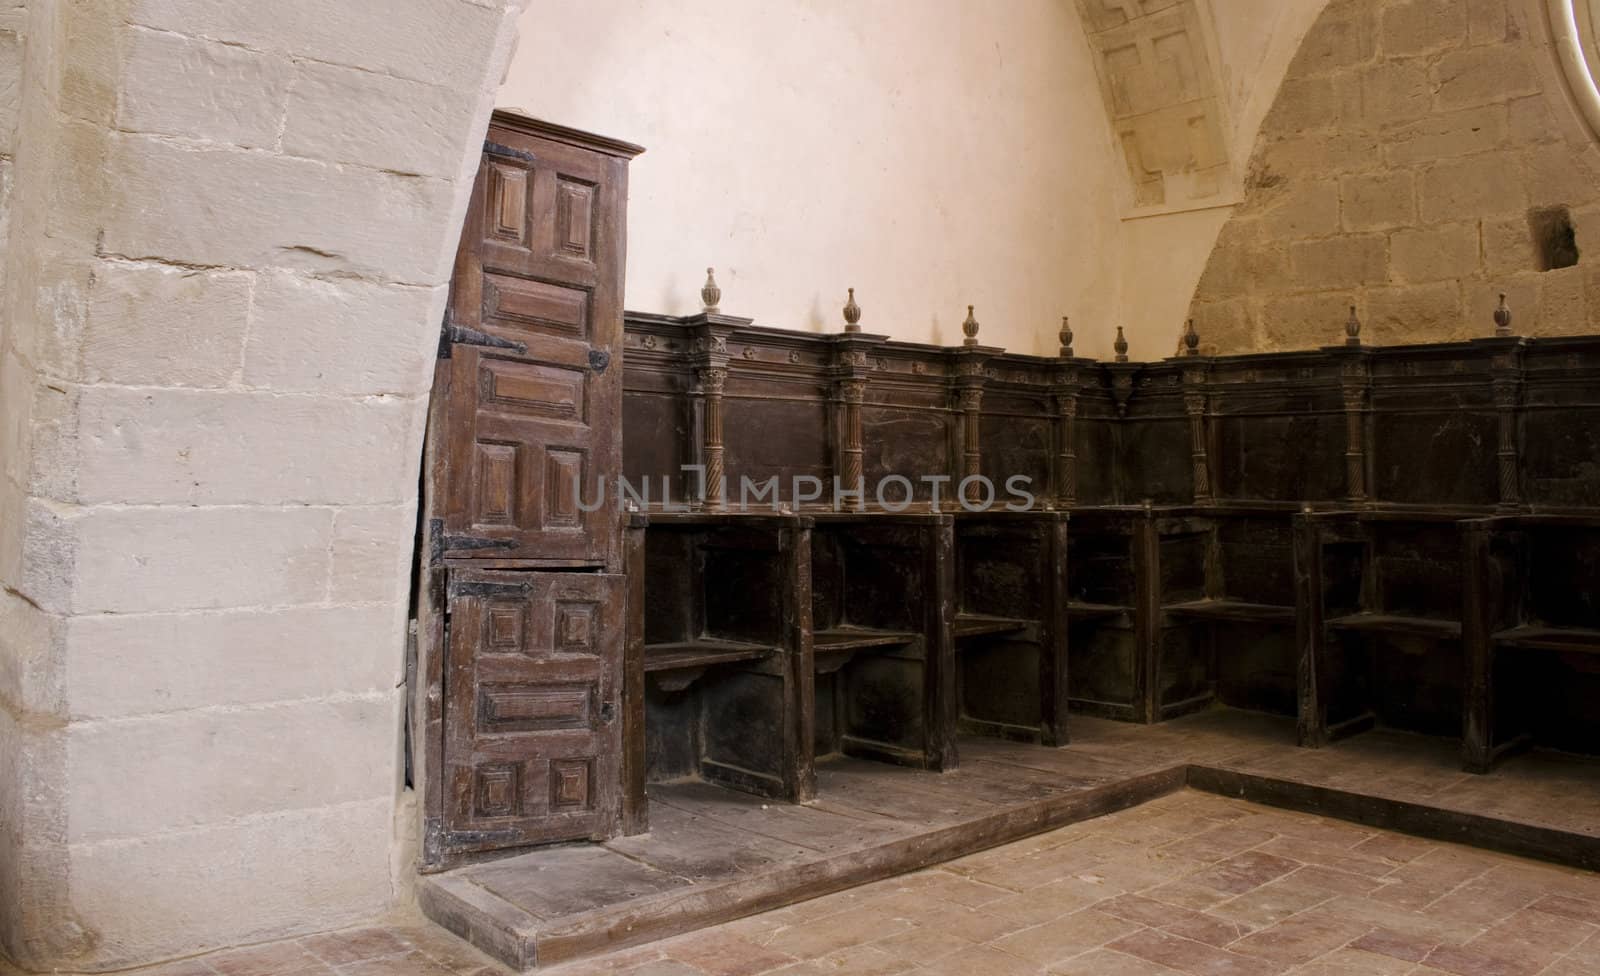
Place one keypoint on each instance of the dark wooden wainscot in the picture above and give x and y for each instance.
(1404, 537)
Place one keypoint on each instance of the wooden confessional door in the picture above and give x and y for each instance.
(533, 729)
(533, 379)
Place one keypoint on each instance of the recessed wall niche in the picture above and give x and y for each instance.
(1555, 241)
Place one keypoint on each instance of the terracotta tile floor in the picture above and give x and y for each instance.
(1188, 885)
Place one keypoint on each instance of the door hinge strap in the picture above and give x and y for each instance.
(479, 588)
(496, 149)
(452, 334)
(439, 543)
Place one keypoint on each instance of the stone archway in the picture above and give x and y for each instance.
(228, 233)
(1575, 30)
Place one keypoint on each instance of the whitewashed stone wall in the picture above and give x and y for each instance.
(226, 231)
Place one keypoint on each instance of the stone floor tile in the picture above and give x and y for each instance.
(1395, 848)
(1106, 962)
(802, 969)
(1417, 925)
(982, 961)
(1193, 958)
(1301, 938)
(1462, 961)
(813, 939)
(183, 967)
(445, 949)
(1042, 904)
(1532, 936)
(1184, 893)
(1332, 856)
(1038, 869)
(1244, 872)
(719, 953)
(1577, 909)
(1271, 903)
(864, 961)
(1395, 945)
(922, 946)
(664, 967)
(410, 964)
(966, 891)
(356, 945)
(1354, 962)
(273, 959)
(1221, 842)
(1336, 882)
(1179, 921)
(971, 924)
(1065, 937)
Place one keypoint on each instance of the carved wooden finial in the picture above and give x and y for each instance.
(1065, 335)
(1352, 329)
(970, 327)
(710, 294)
(1502, 318)
(852, 314)
(1191, 340)
(1121, 346)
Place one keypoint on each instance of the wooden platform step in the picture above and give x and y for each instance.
(714, 855)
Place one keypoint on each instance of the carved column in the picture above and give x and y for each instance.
(1356, 384)
(971, 397)
(1196, 401)
(852, 393)
(710, 361)
(1067, 446)
(1507, 382)
(851, 354)
(712, 382)
(1066, 399)
(971, 359)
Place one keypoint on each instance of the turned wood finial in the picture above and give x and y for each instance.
(1121, 346)
(1502, 318)
(710, 294)
(1352, 329)
(1065, 335)
(1191, 340)
(852, 314)
(970, 327)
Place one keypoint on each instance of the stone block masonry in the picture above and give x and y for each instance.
(226, 233)
(1401, 170)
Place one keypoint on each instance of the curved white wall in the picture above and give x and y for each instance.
(930, 153)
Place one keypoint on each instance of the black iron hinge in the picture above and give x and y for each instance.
(439, 543)
(494, 591)
(451, 334)
(496, 149)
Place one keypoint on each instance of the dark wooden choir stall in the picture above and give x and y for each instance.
(668, 550)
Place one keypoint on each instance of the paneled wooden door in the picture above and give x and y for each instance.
(533, 379)
(533, 728)
(521, 605)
